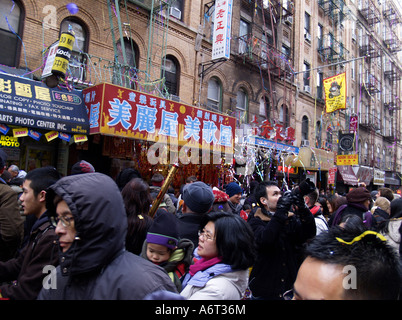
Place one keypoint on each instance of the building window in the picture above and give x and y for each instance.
(307, 19)
(264, 111)
(78, 58)
(306, 75)
(318, 131)
(176, 9)
(284, 116)
(243, 36)
(171, 70)
(11, 32)
(129, 70)
(304, 132)
(242, 106)
(214, 95)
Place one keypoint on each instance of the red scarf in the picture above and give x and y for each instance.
(203, 264)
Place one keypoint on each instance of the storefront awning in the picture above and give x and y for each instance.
(347, 175)
(363, 174)
(31, 104)
(312, 159)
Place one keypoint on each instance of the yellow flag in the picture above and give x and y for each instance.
(335, 92)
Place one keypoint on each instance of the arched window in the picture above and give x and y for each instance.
(304, 132)
(171, 72)
(128, 72)
(242, 106)
(318, 130)
(264, 112)
(284, 116)
(214, 95)
(11, 32)
(78, 58)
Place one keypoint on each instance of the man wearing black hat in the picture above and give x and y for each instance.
(198, 199)
(11, 222)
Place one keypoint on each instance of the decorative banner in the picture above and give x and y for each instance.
(222, 29)
(51, 135)
(347, 159)
(335, 92)
(123, 112)
(80, 138)
(34, 134)
(4, 129)
(64, 136)
(20, 132)
(25, 102)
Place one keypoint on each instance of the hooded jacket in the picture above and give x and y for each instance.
(96, 266)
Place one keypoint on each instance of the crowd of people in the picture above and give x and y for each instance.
(87, 236)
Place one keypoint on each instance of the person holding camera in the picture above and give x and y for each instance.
(279, 235)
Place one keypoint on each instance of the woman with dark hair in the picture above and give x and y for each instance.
(225, 252)
(137, 202)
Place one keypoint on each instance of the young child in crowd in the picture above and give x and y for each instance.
(162, 247)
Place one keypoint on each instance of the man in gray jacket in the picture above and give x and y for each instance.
(91, 223)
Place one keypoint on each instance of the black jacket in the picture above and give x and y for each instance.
(96, 266)
(279, 239)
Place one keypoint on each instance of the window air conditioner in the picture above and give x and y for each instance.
(307, 89)
(305, 143)
(174, 12)
(289, 20)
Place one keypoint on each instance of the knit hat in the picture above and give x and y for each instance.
(233, 188)
(358, 195)
(164, 231)
(198, 197)
(220, 196)
(82, 167)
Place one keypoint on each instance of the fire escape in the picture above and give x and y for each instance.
(370, 119)
(392, 82)
(267, 53)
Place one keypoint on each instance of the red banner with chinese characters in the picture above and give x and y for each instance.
(124, 112)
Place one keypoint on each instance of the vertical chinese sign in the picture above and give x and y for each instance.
(222, 29)
(123, 112)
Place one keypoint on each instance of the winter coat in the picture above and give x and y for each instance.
(393, 233)
(166, 202)
(97, 266)
(279, 239)
(28, 268)
(352, 209)
(11, 222)
(178, 263)
(188, 225)
(218, 282)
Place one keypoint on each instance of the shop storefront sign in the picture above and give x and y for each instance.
(28, 103)
(261, 142)
(123, 112)
(379, 177)
(347, 159)
(332, 175)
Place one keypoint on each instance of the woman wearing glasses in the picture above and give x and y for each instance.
(225, 252)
